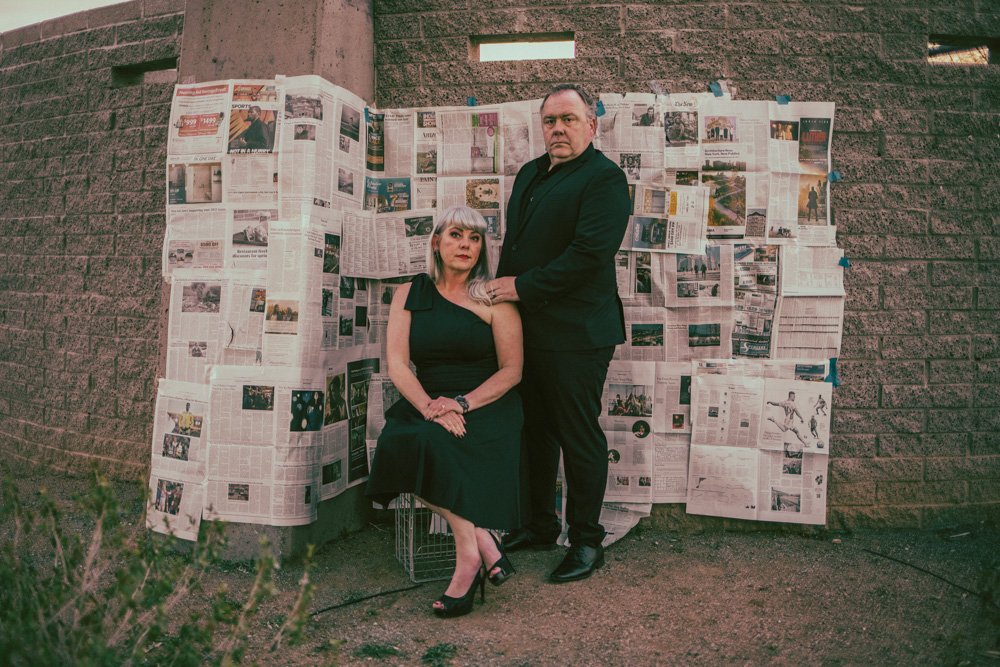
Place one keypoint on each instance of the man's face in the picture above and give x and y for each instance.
(566, 126)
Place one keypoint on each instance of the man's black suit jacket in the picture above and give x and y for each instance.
(562, 252)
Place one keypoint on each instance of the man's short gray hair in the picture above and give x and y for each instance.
(589, 100)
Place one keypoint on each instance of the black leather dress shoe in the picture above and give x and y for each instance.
(579, 563)
(523, 538)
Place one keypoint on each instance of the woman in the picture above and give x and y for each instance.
(453, 440)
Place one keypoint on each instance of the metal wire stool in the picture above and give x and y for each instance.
(424, 545)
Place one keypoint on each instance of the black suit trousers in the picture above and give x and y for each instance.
(562, 390)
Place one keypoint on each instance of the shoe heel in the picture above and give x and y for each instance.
(506, 567)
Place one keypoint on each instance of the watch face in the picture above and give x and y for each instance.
(464, 403)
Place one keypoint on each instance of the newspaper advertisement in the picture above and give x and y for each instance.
(178, 459)
(194, 238)
(198, 118)
(809, 327)
(387, 245)
(193, 328)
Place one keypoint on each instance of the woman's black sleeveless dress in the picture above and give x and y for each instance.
(476, 477)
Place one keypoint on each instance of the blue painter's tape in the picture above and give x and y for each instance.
(844, 262)
(833, 378)
(366, 115)
(782, 99)
(471, 101)
(834, 176)
(715, 88)
(600, 109)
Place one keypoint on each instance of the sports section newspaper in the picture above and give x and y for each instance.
(294, 211)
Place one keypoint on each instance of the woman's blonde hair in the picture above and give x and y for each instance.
(463, 217)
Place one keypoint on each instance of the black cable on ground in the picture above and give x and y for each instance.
(979, 595)
(366, 597)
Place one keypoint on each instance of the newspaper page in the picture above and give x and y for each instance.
(178, 459)
(726, 410)
(735, 132)
(672, 411)
(616, 518)
(349, 153)
(518, 128)
(670, 467)
(194, 238)
(252, 179)
(681, 130)
(244, 297)
(631, 134)
(628, 425)
(722, 481)
(682, 229)
(358, 377)
(644, 335)
(398, 127)
(756, 282)
(293, 326)
(247, 232)
(812, 270)
(795, 204)
(799, 137)
(704, 279)
(792, 487)
(193, 327)
(198, 118)
(809, 327)
(469, 141)
(388, 245)
(308, 140)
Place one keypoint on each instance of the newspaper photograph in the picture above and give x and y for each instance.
(644, 335)
(174, 506)
(796, 416)
(681, 130)
(798, 210)
(253, 117)
(349, 153)
(704, 279)
(194, 179)
(247, 231)
(738, 201)
(198, 118)
(179, 422)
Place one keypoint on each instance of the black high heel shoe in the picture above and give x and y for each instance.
(452, 607)
(506, 567)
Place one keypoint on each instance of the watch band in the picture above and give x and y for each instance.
(461, 400)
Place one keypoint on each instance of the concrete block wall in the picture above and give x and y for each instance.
(82, 168)
(917, 417)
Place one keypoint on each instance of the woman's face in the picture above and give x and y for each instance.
(459, 248)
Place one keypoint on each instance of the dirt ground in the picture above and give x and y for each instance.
(663, 598)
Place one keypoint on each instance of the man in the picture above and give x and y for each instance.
(791, 411)
(567, 214)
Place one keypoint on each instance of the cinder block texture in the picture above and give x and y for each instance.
(918, 210)
(82, 164)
